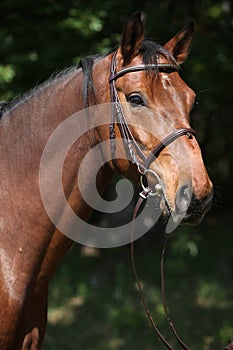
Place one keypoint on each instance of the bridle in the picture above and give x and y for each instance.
(133, 150)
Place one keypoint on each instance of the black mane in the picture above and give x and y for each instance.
(151, 50)
(3, 107)
(86, 64)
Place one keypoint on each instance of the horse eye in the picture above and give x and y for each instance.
(135, 100)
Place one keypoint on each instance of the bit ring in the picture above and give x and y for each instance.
(146, 188)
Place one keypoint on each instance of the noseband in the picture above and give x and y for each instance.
(133, 150)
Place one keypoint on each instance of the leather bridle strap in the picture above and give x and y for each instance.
(118, 115)
(166, 141)
(132, 148)
(161, 67)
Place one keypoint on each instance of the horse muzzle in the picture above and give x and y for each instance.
(197, 210)
(188, 209)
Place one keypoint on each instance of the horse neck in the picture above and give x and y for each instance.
(24, 133)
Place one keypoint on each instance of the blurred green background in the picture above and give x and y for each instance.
(93, 299)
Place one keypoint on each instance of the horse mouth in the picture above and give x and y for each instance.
(194, 214)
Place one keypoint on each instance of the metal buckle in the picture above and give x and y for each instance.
(145, 193)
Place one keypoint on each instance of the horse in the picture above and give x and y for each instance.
(143, 77)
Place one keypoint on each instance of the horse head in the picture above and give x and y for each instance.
(155, 104)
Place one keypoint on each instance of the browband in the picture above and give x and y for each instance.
(157, 67)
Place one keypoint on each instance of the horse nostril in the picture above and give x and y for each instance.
(183, 198)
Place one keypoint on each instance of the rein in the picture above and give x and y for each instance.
(148, 313)
(162, 274)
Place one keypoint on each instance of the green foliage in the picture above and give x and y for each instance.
(7, 74)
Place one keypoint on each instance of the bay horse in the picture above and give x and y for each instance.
(140, 74)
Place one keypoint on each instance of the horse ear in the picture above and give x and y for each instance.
(180, 44)
(132, 37)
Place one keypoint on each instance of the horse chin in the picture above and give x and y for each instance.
(175, 219)
(197, 210)
(193, 216)
(192, 220)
